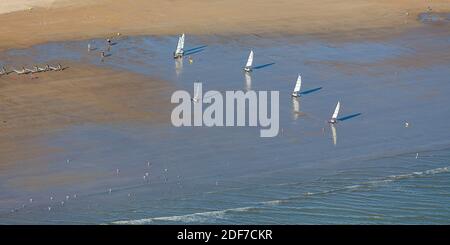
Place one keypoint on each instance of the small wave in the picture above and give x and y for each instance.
(210, 216)
(364, 185)
(419, 174)
(392, 178)
(273, 202)
(352, 187)
(201, 217)
(436, 18)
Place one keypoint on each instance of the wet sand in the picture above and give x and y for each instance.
(104, 116)
(231, 175)
(42, 103)
(83, 19)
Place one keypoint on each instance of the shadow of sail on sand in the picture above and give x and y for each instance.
(263, 66)
(310, 91)
(349, 117)
(195, 50)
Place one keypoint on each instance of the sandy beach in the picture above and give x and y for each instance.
(62, 20)
(34, 105)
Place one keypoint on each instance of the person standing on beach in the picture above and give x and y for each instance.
(102, 54)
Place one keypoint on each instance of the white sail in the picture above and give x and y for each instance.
(250, 59)
(178, 50)
(336, 111)
(180, 44)
(182, 41)
(298, 84)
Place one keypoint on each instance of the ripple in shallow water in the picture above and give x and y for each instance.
(218, 215)
(436, 18)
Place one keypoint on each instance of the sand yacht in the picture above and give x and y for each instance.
(58, 68)
(21, 72)
(180, 48)
(3, 71)
(248, 66)
(297, 87)
(333, 119)
(34, 70)
(46, 68)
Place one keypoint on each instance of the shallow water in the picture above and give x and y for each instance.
(372, 175)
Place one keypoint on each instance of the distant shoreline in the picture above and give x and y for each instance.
(59, 20)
